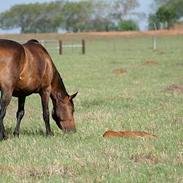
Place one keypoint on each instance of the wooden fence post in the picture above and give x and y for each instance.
(60, 47)
(155, 38)
(83, 47)
(154, 42)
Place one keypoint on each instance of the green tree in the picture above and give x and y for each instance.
(101, 19)
(33, 17)
(167, 16)
(124, 8)
(127, 25)
(153, 22)
(177, 5)
(77, 15)
(93, 15)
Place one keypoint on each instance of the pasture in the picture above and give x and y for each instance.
(123, 85)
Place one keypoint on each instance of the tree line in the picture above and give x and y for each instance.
(71, 16)
(85, 15)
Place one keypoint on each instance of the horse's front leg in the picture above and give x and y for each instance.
(45, 94)
(5, 100)
(19, 115)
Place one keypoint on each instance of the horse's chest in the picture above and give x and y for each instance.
(28, 84)
(29, 81)
(32, 83)
(34, 76)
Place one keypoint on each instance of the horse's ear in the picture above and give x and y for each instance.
(73, 96)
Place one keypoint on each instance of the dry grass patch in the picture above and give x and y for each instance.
(119, 71)
(38, 172)
(175, 88)
(145, 158)
(179, 159)
(178, 120)
(150, 62)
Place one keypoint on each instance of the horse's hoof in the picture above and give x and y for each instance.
(5, 137)
(16, 134)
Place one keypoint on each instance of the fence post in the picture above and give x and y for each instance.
(60, 47)
(154, 42)
(83, 47)
(155, 38)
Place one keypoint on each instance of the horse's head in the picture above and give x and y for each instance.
(63, 114)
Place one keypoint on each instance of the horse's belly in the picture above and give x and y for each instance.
(18, 93)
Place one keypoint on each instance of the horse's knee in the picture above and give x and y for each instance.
(46, 115)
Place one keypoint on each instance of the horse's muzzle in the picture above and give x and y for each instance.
(68, 128)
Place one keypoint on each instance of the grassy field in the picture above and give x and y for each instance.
(123, 85)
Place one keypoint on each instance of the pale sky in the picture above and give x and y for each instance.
(144, 7)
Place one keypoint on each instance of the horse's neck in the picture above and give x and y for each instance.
(58, 88)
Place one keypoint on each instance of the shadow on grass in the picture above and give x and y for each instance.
(38, 132)
(27, 132)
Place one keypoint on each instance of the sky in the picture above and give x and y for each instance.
(6, 4)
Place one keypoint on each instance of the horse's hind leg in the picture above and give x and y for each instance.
(5, 100)
(20, 114)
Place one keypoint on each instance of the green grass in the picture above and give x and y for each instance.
(134, 100)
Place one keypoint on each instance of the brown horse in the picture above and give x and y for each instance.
(26, 69)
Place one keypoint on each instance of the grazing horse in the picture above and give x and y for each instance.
(26, 69)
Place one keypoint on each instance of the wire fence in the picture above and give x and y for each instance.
(113, 45)
(60, 47)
